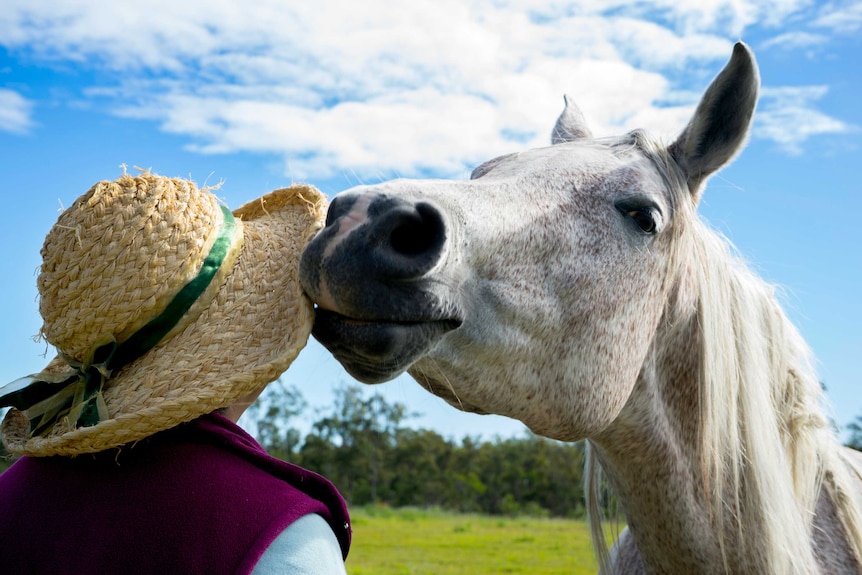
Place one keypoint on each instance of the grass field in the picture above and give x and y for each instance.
(418, 542)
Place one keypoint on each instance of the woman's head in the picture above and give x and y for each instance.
(163, 305)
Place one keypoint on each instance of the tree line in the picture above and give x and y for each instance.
(363, 445)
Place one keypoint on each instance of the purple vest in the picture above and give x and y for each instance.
(203, 497)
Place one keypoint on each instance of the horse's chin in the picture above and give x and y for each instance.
(375, 351)
(442, 388)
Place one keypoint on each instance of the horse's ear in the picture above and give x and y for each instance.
(722, 120)
(570, 125)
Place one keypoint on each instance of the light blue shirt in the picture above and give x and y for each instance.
(307, 547)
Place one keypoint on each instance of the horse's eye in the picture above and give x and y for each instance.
(643, 211)
(644, 219)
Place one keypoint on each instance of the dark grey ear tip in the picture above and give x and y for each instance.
(721, 123)
(743, 57)
(743, 50)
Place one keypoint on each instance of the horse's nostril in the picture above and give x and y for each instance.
(408, 237)
(339, 206)
(422, 233)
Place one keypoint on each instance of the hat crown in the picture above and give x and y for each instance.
(118, 255)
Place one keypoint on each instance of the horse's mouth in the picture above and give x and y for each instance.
(374, 351)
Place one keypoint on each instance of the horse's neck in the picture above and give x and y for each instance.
(659, 450)
(651, 457)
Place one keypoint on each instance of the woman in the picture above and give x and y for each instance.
(170, 315)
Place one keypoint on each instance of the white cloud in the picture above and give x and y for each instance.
(788, 117)
(795, 40)
(841, 17)
(15, 112)
(437, 85)
(726, 17)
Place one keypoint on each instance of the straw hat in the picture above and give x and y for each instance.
(163, 306)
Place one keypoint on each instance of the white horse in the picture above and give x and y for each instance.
(575, 289)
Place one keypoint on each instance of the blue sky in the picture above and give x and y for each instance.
(261, 94)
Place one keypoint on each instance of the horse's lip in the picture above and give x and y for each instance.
(377, 350)
(330, 315)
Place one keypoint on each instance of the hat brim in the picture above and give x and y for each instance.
(255, 326)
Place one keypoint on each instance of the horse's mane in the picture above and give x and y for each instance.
(766, 446)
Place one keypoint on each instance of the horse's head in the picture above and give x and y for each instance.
(533, 290)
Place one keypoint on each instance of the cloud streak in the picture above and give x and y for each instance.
(15, 112)
(433, 87)
(788, 117)
(841, 17)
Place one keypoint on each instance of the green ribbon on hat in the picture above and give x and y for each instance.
(76, 394)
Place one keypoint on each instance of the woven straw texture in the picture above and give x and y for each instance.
(115, 259)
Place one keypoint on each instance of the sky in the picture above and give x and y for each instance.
(260, 94)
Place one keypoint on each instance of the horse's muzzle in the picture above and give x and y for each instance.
(371, 271)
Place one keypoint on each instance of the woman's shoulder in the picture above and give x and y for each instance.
(306, 546)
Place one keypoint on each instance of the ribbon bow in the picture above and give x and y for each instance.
(75, 394)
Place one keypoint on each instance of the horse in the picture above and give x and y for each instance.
(575, 288)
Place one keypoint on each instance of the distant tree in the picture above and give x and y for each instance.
(416, 469)
(362, 431)
(531, 473)
(466, 486)
(272, 414)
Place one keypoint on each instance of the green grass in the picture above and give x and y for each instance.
(418, 542)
